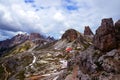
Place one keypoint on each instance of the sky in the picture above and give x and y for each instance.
(53, 17)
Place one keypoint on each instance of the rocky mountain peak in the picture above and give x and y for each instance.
(33, 36)
(19, 38)
(70, 35)
(106, 27)
(104, 38)
(50, 38)
(72, 39)
(88, 31)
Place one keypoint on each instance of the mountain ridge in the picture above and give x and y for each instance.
(19, 39)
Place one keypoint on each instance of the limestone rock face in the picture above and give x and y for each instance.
(19, 39)
(117, 27)
(104, 38)
(74, 39)
(117, 31)
(70, 35)
(88, 31)
(34, 36)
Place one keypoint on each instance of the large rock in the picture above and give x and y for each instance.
(117, 31)
(88, 31)
(74, 39)
(117, 27)
(70, 35)
(104, 38)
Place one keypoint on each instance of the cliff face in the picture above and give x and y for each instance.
(70, 35)
(74, 39)
(88, 31)
(104, 38)
(117, 31)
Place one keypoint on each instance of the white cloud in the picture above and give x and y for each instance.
(53, 16)
(59, 16)
(61, 32)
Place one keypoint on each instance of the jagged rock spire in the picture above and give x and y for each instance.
(88, 31)
(104, 38)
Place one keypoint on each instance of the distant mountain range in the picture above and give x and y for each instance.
(75, 56)
(19, 39)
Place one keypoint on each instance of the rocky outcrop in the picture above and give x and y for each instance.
(117, 31)
(73, 39)
(49, 38)
(14, 41)
(19, 39)
(117, 27)
(70, 35)
(95, 65)
(34, 36)
(88, 31)
(104, 38)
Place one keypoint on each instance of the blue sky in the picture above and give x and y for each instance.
(53, 17)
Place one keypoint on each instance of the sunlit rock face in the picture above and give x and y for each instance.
(70, 35)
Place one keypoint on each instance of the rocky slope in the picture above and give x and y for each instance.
(74, 39)
(34, 38)
(75, 56)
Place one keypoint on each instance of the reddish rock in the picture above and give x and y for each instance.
(34, 36)
(19, 39)
(70, 35)
(88, 31)
(117, 29)
(104, 38)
